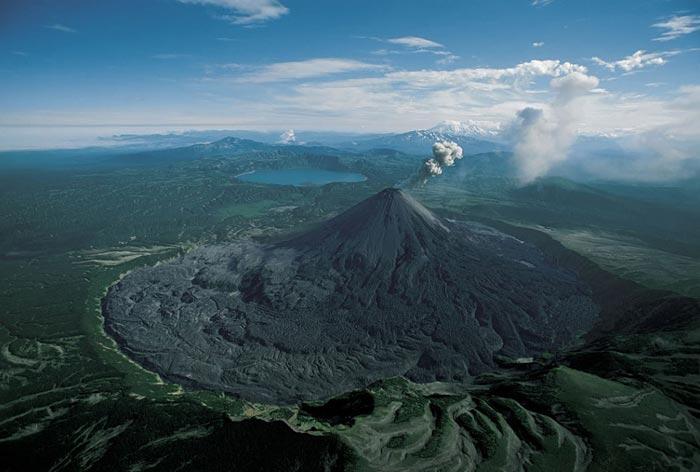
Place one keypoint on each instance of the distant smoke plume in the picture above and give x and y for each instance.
(544, 138)
(288, 137)
(432, 167)
(445, 154)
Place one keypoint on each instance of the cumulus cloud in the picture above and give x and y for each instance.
(61, 28)
(538, 44)
(310, 68)
(638, 60)
(677, 26)
(543, 137)
(467, 76)
(246, 12)
(288, 137)
(571, 86)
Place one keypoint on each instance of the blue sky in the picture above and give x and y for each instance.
(352, 66)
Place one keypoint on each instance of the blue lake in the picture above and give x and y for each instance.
(300, 177)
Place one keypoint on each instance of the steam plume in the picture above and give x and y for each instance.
(288, 137)
(544, 138)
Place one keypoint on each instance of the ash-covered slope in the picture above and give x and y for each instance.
(384, 289)
(390, 228)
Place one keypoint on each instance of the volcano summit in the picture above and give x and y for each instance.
(386, 288)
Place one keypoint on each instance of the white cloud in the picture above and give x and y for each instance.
(310, 68)
(541, 3)
(415, 42)
(399, 100)
(685, 112)
(573, 85)
(677, 26)
(447, 58)
(470, 76)
(61, 28)
(373, 98)
(638, 60)
(538, 44)
(246, 12)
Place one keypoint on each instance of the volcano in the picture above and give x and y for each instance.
(386, 288)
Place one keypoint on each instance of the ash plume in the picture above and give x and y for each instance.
(445, 154)
(432, 167)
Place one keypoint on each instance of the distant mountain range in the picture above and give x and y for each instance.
(472, 137)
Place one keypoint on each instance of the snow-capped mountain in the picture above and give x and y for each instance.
(473, 138)
(469, 128)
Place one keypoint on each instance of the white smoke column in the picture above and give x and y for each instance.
(544, 139)
(288, 137)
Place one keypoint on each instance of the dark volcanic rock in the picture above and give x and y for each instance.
(384, 289)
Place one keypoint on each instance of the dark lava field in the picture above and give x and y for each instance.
(384, 289)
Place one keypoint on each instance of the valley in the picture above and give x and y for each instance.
(80, 228)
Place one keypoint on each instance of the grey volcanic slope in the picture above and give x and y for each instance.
(384, 289)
